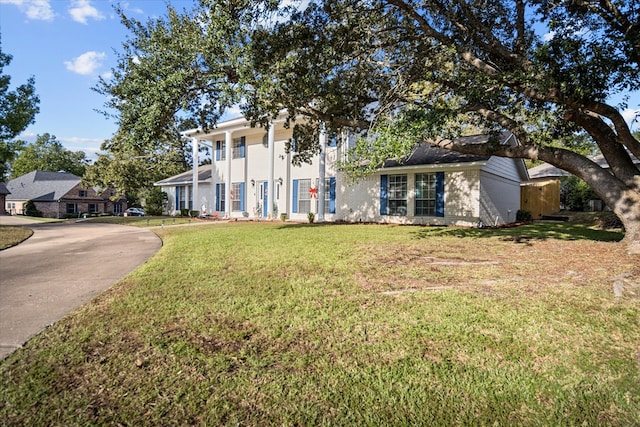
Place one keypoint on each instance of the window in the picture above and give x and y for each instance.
(397, 195)
(117, 208)
(71, 208)
(238, 148)
(332, 139)
(220, 194)
(301, 196)
(425, 203)
(93, 208)
(330, 195)
(221, 150)
(83, 193)
(237, 196)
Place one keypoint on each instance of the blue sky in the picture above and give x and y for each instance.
(66, 45)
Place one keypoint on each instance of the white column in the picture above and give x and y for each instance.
(228, 139)
(270, 169)
(321, 172)
(195, 198)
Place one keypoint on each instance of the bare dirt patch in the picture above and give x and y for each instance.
(482, 263)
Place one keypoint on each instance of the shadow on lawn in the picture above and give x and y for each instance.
(524, 233)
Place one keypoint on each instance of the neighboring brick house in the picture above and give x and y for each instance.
(3, 194)
(58, 195)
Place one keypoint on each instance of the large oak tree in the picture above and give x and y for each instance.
(401, 72)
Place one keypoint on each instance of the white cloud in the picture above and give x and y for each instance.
(39, 10)
(87, 63)
(90, 146)
(630, 116)
(82, 9)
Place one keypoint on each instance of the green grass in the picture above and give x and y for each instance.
(145, 221)
(292, 324)
(11, 235)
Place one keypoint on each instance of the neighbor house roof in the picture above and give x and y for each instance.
(4, 189)
(42, 186)
(546, 170)
(204, 175)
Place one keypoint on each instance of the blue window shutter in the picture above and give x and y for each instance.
(242, 145)
(242, 196)
(217, 195)
(439, 193)
(332, 195)
(177, 198)
(217, 153)
(383, 195)
(294, 208)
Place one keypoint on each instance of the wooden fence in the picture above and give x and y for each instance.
(540, 198)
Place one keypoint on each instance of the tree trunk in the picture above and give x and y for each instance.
(627, 208)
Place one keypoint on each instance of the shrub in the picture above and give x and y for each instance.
(30, 209)
(523, 216)
(575, 194)
(311, 217)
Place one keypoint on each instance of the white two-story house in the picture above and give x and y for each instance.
(251, 176)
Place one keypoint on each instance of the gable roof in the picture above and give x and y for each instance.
(42, 186)
(204, 175)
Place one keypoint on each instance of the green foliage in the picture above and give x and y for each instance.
(311, 217)
(575, 194)
(523, 216)
(155, 201)
(48, 154)
(31, 210)
(18, 109)
(131, 171)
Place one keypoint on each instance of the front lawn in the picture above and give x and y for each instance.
(298, 324)
(12, 235)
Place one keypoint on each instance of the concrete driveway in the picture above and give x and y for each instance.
(61, 267)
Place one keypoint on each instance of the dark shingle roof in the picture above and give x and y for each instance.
(42, 186)
(4, 189)
(427, 154)
(204, 174)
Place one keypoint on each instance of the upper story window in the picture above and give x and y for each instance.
(221, 150)
(332, 139)
(83, 193)
(238, 151)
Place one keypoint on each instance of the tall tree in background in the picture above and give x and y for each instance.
(48, 154)
(18, 109)
(131, 173)
(402, 72)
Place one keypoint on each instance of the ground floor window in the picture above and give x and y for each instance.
(425, 194)
(330, 195)
(397, 195)
(237, 196)
(117, 208)
(301, 195)
(220, 197)
(93, 208)
(71, 208)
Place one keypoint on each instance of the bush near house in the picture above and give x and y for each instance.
(31, 210)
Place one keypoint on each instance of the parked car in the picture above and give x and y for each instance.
(134, 212)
